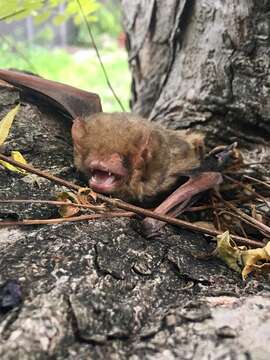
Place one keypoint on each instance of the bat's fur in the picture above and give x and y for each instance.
(154, 156)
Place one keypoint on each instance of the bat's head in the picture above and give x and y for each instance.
(111, 150)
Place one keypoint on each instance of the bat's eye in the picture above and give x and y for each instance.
(126, 162)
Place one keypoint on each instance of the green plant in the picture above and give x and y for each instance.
(43, 10)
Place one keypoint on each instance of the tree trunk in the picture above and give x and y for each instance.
(202, 64)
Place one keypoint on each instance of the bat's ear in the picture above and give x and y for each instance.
(78, 130)
(143, 154)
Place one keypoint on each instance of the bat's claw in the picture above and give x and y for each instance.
(151, 227)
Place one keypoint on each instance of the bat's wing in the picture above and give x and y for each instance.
(67, 99)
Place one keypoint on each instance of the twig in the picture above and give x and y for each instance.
(40, 173)
(50, 202)
(122, 205)
(209, 206)
(259, 225)
(258, 181)
(99, 57)
(256, 163)
(199, 208)
(3, 18)
(248, 189)
(69, 219)
(239, 217)
(216, 215)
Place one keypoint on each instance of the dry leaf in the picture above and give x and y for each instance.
(228, 251)
(68, 210)
(6, 123)
(88, 193)
(83, 199)
(252, 257)
(15, 155)
(241, 259)
(5, 126)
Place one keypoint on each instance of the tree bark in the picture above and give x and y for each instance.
(202, 64)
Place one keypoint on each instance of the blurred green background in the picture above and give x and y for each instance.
(61, 50)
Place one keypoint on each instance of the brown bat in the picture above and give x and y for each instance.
(124, 155)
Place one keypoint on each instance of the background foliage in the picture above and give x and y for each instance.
(77, 63)
(19, 9)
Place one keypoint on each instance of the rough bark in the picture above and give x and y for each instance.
(202, 64)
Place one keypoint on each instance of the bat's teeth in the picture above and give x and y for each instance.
(102, 178)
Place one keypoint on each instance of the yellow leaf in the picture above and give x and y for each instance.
(8, 166)
(241, 259)
(6, 123)
(228, 251)
(253, 257)
(15, 155)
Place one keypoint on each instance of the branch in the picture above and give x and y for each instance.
(259, 225)
(259, 196)
(257, 181)
(63, 220)
(51, 202)
(125, 206)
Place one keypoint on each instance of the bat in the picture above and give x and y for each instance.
(124, 155)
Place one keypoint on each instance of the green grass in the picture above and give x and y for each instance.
(79, 68)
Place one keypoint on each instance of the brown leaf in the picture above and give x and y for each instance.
(68, 210)
(88, 194)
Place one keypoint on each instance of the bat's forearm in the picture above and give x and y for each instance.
(181, 196)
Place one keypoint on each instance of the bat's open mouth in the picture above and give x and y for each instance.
(104, 180)
(108, 175)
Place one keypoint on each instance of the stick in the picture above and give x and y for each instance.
(259, 225)
(50, 202)
(259, 196)
(63, 220)
(258, 181)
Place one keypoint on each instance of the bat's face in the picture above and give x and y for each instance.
(109, 150)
